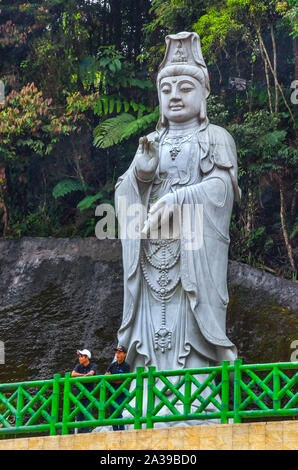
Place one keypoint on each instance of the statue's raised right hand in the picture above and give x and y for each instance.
(146, 159)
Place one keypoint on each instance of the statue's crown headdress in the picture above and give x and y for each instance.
(183, 56)
(179, 55)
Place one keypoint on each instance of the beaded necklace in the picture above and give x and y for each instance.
(163, 292)
(176, 143)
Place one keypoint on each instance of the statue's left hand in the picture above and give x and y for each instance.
(159, 213)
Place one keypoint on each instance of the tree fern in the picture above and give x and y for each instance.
(114, 130)
(88, 201)
(140, 124)
(109, 132)
(67, 186)
(109, 104)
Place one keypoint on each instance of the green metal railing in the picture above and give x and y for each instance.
(226, 393)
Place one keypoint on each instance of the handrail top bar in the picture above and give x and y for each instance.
(34, 383)
(145, 373)
(109, 377)
(265, 366)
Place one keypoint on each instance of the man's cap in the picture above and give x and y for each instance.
(121, 349)
(84, 352)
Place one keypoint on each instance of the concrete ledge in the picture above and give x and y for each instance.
(277, 435)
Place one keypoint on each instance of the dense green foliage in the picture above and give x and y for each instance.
(80, 90)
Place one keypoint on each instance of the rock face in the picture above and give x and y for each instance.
(58, 295)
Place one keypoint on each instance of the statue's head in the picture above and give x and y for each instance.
(182, 80)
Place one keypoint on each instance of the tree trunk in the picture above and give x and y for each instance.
(267, 77)
(219, 73)
(284, 228)
(138, 27)
(274, 67)
(250, 211)
(274, 74)
(104, 23)
(268, 86)
(116, 27)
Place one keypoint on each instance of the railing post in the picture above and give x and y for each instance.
(55, 404)
(66, 403)
(102, 399)
(139, 397)
(187, 404)
(20, 406)
(150, 397)
(225, 387)
(237, 390)
(276, 388)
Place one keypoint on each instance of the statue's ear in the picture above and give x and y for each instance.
(163, 119)
(206, 92)
(162, 122)
(203, 111)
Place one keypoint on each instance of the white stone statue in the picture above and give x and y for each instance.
(175, 299)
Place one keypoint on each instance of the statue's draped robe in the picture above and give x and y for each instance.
(198, 306)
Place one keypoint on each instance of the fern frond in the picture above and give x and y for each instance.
(108, 104)
(88, 201)
(114, 130)
(109, 132)
(67, 186)
(140, 124)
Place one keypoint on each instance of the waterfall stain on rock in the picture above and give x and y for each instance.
(262, 328)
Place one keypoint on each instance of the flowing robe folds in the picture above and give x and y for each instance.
(197, 310)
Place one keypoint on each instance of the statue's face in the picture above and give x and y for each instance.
(181, 97)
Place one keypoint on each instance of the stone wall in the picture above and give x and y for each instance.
(280, 435)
